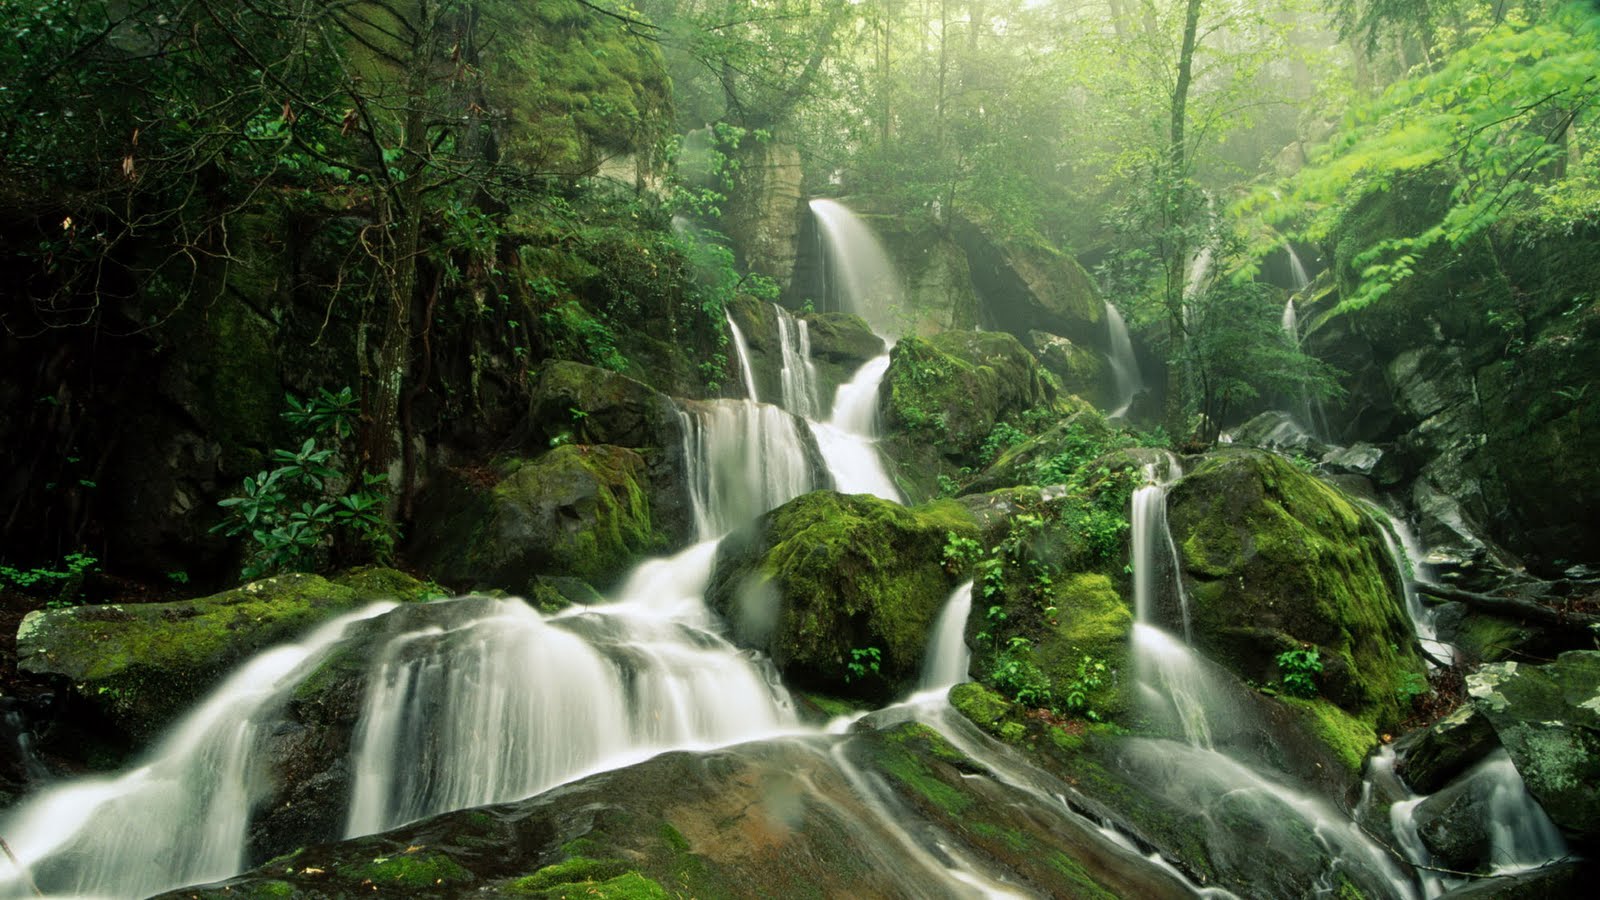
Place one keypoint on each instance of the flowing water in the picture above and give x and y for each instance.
(1403, 547)
(799, 376)
(743, 351)
(859, 271)
(1124, 365)
(1300, 279)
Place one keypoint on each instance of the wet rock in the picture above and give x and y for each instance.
(826, 580)
(758, 819)
(1025, 287)
(1275, 560)
(143, 665)
(1548, 718)
(1435, 755)
(1083, 371)
(578, 510)
(1357, 459)
(1275, 430)
(1556, 880)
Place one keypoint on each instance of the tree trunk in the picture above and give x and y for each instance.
(1175, 215)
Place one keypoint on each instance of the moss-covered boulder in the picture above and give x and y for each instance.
(942, 397)
(841, 590)
(841, 343)
(1275, 560)
(579, 510)
(142, 665)
(1432, 757)
(1548, 718)
(1084, 371)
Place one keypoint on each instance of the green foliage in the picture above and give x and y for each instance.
(960, 553)
(1091, 675)
(1018, 677)
(1495, 122)
(1004, 435)
(291, 515)
(1412, 685)
(1298, 670)
(863, 662)
(63, 581)
(569, 321)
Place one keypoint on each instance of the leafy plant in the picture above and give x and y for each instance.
(960, 553)
(863, 662)
(1090, 676)
(64, 580)
(1298, 670)
(1412, 686)
(292, 514)
(1019, 677)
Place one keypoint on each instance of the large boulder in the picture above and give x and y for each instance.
(1024, 287)
(942, 396)
(939, 293)
(1432, 757)
(1548, 718)
(761, 819)
(143, 665)
(1275, 560)
(830, 581)
(1083, 371)
(578, 510)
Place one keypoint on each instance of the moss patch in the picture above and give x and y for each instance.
(414, 871)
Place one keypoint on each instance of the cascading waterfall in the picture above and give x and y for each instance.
(181, 816)
(859, 269)
(1409, 560)
(1290, 322)
(1124, 365)
(744, 458)
(742, 349)
(1297, 270)
(799, 376)
(945, 663)
(848, 440)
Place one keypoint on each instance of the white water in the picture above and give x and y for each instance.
(1297, 269)
(180, 817)
(858, 267)
(849, 439)
(743, 458)
(743, 351)
(1290, 324)
(799, 376)
(945, 663)
(1124, 365)
(512, 703)
(1406, 551)
(1521, 835)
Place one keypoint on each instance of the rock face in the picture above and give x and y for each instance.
(1275, 560)
(822, 580)
(1083, 370)
(840, 344)
(579, 510)
(1548, 719)
(1449, 747)
(939, 294)
(942, 397)
(764, 208)
(770, 819)
(1482, 357)
(143, 665)
(1024, 288)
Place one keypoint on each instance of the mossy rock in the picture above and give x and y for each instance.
(1025, 286)
(841, 343)
(943, 395)
(577, 403)
(1275, 560)
(1548, 718)
(578, 510)
(1083, 371)
(829, 574)
(143, 665)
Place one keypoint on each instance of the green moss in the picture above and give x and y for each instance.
(143, 664)
(380, 583)
(267, 889)
(412, 870)
(984, 707)
(1350, 738)
(850, 572)
(572, 871)
(1085, 885)
(903, 756)
(1278, 559)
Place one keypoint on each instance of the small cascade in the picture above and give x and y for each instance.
(510, 703)
(799, 376)
(1520, 835)
(181, 816)
(744, 458)
(1405, 550)
(859, 271)
(848, 440)
(947, 659)
(1297, 270)
(743, 350)
(1155, 557)
(1291, 323)
(1124, 365)
(1194, 281)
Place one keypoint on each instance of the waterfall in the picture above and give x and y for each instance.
(1290, 324)
(1124, 365)
(860, 271)
(799, 376)
(742, 349)
(180, 816)
(1297, 269)
(1405, 551)
(947, 658)
(743, 459)
(511, 703)
(848, 440)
